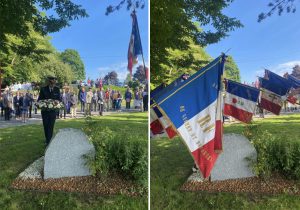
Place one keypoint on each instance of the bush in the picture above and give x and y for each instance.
(123, 152)
(274, 153)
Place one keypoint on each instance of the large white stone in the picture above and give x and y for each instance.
(64, 155)
(234, 162)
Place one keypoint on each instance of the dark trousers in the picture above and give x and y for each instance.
(145, 102)
(127, 105)
(6, 113)
(48, 123)
(101, 108)
(30, 110)
(82, 106)
(94, 106)
(17, 111)
(64, 110)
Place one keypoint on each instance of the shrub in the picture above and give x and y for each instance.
(123, 152)
(274, 153)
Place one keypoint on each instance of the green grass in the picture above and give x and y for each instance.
(171, 165)
(20, 146)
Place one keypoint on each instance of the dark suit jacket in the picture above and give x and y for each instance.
(45, 93)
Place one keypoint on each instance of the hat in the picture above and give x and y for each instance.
(51, 77)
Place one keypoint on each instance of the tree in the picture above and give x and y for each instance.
(19, 59)
(232, 71)
(72, 58)
(140, 74)
(16, 14)
(279, 6)
(173, 27)
(179, 62)
(55, 66)
(111, 78)
(130, 4)
(296, 71)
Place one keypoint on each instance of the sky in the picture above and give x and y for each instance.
(273, 44)
(102, 41)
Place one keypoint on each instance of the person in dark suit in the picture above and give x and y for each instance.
(49, 92)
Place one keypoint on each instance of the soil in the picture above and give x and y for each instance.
(88, 184)
(276, 184)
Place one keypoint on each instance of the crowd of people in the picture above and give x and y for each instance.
(21, 104)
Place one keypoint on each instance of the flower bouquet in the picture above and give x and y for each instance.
(49, 104)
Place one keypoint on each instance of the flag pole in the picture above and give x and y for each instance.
(138, 30)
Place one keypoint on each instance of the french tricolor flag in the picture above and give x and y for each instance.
(270, 101)
(192, 106)
(240, 101)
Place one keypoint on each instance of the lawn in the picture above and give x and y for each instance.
(20, 146)
(171, 165)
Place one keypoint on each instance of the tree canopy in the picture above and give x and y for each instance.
(72, 58)
(111, 78)
(296, 71)
(15, 15)
(279, 6)
(140, 74)
(232, 71)
(172, 27)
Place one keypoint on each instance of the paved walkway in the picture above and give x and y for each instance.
(36, 118)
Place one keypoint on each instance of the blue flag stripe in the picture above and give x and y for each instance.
(243, 91)
(188, 81)
(192, 96)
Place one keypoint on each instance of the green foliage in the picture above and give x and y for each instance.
(111, 78)
(172, 27)
(17, 153)
(280, 7)
(15, 14)
(140, 74)
(55, 66)
(116, 152)
(231, 70)
(129, 5)
(72, 57)
(274, 153)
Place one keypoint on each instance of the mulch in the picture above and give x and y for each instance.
(276, 184)
(111, 185)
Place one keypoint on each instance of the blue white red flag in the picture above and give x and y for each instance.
(240, 101)
(295, 82)
(159, 124)
(275, 83)
(135, 44)
(192, 106)
(270, 101)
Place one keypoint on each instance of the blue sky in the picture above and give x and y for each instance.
(102, 41)
(273, 43)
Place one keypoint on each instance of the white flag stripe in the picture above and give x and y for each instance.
(200, 129)
(240, 103)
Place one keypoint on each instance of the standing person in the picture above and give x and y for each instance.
(16, 102)
(7, 104)
(101, 96)
(141, 98)
(1, 106)
(115, 99)
(145, 98)
(136, 99)
(82, 98)
(128, 97)
(73, 105)
(35, 97)
(49, 92)
(112, 99)
(89, 97)
(65, 100)
(95, 101)
(119, 100)
(24, 104)
(107, 99)
(30, 97)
